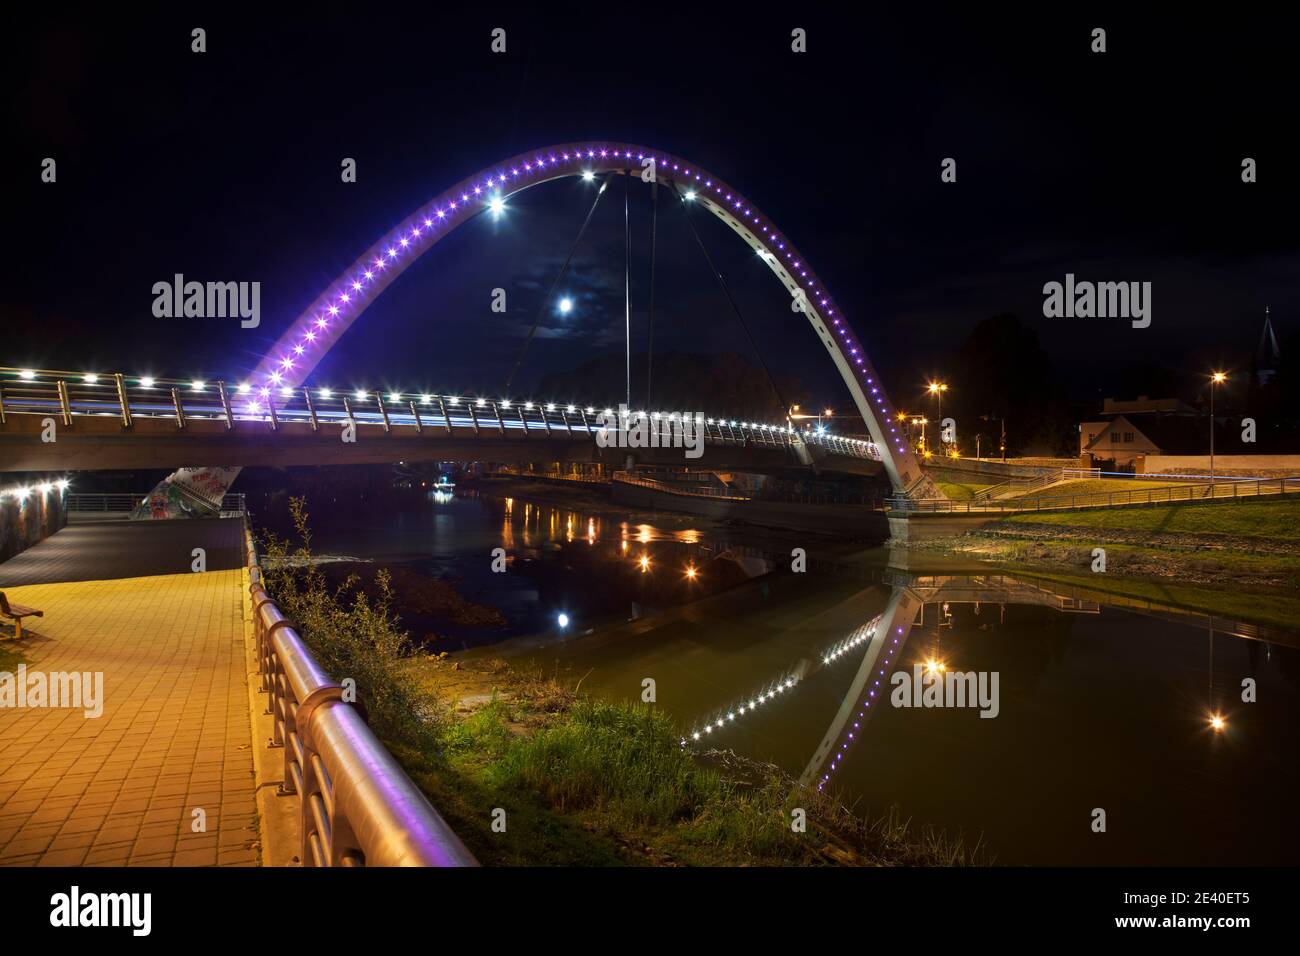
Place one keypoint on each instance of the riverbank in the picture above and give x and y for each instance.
(589, 782)
(1217, 557)
(580, 780)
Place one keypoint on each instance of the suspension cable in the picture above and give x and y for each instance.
(650, 317)
(785, 408)
(627, 286)
(554, 285)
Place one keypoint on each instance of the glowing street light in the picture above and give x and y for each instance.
(937, 389)
(1217, 378)
(1218, 722)
(497, 205)
(563, 620)
(566, 305)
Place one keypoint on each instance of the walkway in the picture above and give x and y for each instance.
(174, 736)
(126, 549)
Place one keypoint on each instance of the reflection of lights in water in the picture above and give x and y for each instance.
(891, 649)
(644, 562)
(643, 533)
(861, 634)
(689, 536)
(442, 497)
(784, 683)
(751, 705)
(623, 544)
(510, 505)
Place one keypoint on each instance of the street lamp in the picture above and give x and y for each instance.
(1218, 378)
(922, 421)
(937, 389)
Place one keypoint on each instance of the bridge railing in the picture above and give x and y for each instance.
(357, 806)
(677, 488)
(1171, 494)
(80, 502)
(65, 395)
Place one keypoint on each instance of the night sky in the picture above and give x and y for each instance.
(225, 166)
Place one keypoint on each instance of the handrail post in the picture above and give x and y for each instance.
(225, 404)
(64, 405)
(121, 399)
(415, 413)
(383, 412)
(180, 410)
(311, 409)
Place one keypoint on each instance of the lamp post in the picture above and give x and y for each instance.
(1218, 378)
(937, 389)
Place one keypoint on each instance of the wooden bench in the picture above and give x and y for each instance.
(16, 613)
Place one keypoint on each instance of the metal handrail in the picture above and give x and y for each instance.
(692, 491)
(232, 505)
(357, 806)
(1242, 488)
(1022, 485)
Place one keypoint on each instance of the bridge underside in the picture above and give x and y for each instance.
(100, 443)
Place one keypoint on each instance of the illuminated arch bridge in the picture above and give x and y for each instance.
(285, 369)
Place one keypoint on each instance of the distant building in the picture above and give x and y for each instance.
(1127, 429)
(1267, 354)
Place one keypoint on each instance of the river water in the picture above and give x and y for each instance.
(1098, 709)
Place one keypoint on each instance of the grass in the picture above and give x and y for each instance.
(1247, 518)
(962, 490)
(582, 782)
(1096, 486)
(600, 782)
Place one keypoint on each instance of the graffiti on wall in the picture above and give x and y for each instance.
(187, 493)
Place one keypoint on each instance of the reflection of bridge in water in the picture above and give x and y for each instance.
(882, 639)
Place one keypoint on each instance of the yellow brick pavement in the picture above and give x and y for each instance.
(174, 736)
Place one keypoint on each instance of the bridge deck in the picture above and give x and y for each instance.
(174, 735)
